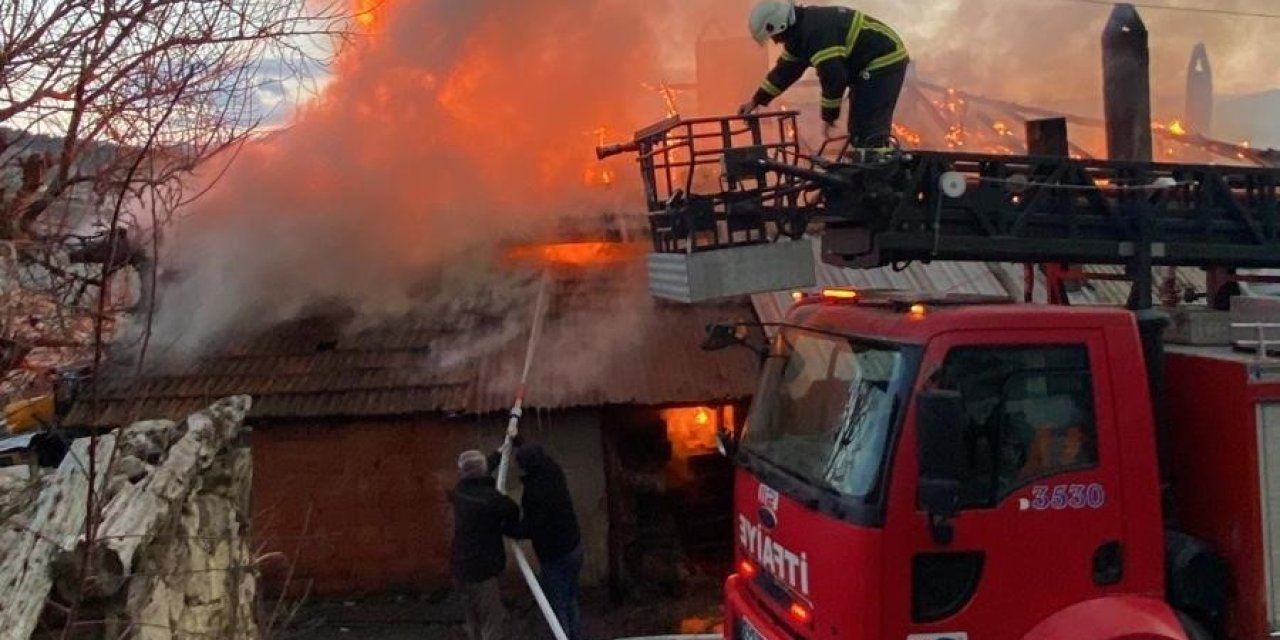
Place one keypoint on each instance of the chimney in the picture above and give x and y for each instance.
(1126, 90)
(1199, 112)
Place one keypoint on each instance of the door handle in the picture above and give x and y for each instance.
(1108, 563)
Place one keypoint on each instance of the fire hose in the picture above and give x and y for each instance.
(504, 467)
(513, 426)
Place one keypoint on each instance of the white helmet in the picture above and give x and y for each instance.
(770, 18)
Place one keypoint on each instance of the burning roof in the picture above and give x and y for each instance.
(605, 342)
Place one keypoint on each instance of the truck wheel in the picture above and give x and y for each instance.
(1193, 629)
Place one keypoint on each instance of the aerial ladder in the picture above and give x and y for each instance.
(729, 189)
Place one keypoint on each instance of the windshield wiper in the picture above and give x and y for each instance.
(849, 429)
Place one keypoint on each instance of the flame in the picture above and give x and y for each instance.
(598, 177)
(952, 103)
(906, 135)
(1002, 129)
(366, 13)
(1177, 129)
(575, 254)
(692, 431)
(668, 97)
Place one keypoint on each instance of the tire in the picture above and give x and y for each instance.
(1193, 629)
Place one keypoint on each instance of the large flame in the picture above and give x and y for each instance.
(445, 126)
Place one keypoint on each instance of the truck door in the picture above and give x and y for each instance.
(1040, 525)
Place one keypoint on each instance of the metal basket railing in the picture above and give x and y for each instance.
(699, 192)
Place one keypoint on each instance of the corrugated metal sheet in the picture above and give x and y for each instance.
(994, 279)
(935, 277)
(605, 341)
(1104, 292)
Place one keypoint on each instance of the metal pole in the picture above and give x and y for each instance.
(1126, 92)
(539, 312)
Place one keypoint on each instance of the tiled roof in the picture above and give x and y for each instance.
(605, 341)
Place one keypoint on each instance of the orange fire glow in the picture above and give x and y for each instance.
(596, 175)
(692, 430)
(366, 13)
(575, 254)
(906, 136)
(668, 97)
(1177, 129)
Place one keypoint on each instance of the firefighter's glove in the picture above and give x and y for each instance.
(749, 107)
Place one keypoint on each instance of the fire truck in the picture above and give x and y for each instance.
(933, 467)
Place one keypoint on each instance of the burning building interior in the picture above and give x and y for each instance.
(369, 274)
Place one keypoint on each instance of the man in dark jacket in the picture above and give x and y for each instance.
(850, 51)
(549, 521)
(481, 515)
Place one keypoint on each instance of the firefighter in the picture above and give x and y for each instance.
(850, 51)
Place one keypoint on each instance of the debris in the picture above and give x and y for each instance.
(170, 554)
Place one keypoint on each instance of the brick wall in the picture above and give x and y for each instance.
(362, 507)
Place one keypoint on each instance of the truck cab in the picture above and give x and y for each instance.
(951, 468)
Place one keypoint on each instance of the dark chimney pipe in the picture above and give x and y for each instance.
(1126, 78)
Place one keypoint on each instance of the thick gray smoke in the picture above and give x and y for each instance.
(451, 125)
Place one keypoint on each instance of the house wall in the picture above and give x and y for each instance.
(362, 506)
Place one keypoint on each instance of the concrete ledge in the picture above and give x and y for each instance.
(732, 271)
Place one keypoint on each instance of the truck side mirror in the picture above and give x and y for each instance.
(722, 335)
(940, 452)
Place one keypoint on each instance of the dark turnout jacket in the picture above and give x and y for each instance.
(481, 515)
(548, 520)
(840, 44)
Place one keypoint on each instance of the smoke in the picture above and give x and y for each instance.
(1048, 52)
(450, 126)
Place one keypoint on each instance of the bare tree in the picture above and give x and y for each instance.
(107, 110)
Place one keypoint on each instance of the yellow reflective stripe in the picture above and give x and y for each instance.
(900, 50)
(883, 29)
(786, 55)
(828, 54)
(855, 30)
(831, 103)
(887, 60)
(770, 88)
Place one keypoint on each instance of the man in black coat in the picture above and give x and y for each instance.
(481, 515)
(550, 523)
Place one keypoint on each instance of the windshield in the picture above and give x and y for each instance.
(824, 408)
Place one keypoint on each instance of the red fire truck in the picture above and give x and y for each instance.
(941, 467)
